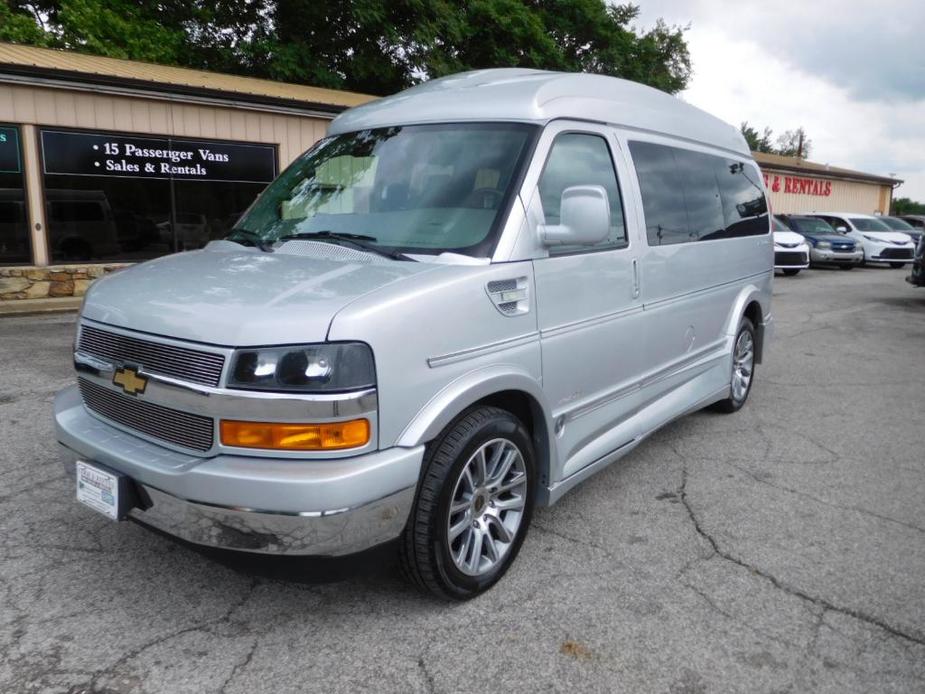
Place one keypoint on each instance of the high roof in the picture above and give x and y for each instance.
(77, 68)
(537, 96)
(811, 168)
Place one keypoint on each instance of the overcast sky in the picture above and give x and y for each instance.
(852, 73)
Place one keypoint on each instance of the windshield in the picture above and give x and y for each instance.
(868, 224)
(416, 189)
(778, 225)
(812, 224)
(897, 224)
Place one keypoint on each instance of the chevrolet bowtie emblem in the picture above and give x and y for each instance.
(129, 380)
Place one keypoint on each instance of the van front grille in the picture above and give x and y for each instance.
(159, 422)
(156, 357)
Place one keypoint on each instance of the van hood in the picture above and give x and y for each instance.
(234, 296)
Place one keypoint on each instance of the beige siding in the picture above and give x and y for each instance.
(844, 195)
(42, 106)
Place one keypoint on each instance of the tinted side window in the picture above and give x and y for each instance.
(581, 160)
(705, 215)
(661, 184)
(744, 204)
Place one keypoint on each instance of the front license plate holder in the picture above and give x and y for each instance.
(105, 490)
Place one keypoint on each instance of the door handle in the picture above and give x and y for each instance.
(635, 278)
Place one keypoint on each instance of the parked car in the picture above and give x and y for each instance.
(464, 301)
(880, 243)
(827, 246)
(791, 251)
(917, 276)
(915, 220)
(900, 224)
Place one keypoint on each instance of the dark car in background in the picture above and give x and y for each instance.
(915, 220)
(917, 277)
(826, 246)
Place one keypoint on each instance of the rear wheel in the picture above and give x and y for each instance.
(743, 369)
(473, 505)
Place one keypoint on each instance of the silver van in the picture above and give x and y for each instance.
(462, 302)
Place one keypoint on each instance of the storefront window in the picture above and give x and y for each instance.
(121, 197)
(14, 218)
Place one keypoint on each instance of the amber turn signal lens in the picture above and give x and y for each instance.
(330, 436)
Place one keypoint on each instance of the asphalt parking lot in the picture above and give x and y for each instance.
(778, 549)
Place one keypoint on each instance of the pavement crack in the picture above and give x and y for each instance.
(204, 626)
(830, 504)
(429, 684)
(239, 667)
(781, 585)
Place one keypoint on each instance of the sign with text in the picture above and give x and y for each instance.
(89, 154)
(9, 150)
(797, 185)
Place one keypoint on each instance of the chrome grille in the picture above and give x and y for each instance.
(156, 357)
(176, 427)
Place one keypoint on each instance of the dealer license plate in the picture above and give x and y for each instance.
(98, 489)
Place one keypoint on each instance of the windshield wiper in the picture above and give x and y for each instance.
(356, 240)
(254, 238)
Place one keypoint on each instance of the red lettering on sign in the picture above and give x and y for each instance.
(799, 186)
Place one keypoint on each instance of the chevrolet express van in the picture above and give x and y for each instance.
(462, 302)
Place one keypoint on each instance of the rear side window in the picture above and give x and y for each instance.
(689, 196)
(744, 204)
(661, 184)
(577, 159)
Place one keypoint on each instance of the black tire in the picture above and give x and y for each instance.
(424, 549)
(846, 267)
(733, 404)
(897, 266)
(790, 271)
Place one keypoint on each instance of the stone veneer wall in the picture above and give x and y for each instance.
(53, 281)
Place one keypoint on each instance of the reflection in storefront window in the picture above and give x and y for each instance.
(121, 197)
(14, 219)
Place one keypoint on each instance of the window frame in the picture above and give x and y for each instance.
(606, 136)
(111, 132)
(631, 136)
(27, 210)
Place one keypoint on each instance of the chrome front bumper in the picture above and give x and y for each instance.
(264, 505)
(823, 256)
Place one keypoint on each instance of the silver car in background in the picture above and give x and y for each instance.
(461, 303)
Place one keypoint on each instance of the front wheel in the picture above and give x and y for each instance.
(473, 506)
(743, 369)
(790, 272)
(846, 267)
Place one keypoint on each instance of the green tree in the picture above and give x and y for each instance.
(794, 143)
(907, 206)
(363, 45)
(757, 142)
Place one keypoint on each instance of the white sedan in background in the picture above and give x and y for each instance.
(880, 243)
(791, 251)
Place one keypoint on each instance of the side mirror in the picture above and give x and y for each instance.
(841, 230)
(584, 218)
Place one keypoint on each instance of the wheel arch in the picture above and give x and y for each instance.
(752, 304)
(516, 392)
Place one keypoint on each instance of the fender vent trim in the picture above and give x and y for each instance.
(510, 296)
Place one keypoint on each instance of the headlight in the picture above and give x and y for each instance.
(333, 367)
(823, 244)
